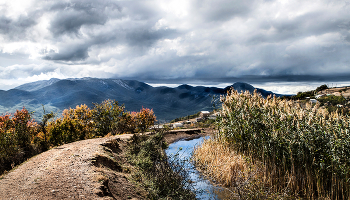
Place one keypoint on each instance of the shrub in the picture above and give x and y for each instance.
(143, 119)
(42, 137)
(160, 177)
(16, 138)
(23, 123)
(126, 123)
(303, 95)
(320, 88)
(106, 117)
(332, 99)
(75, 124)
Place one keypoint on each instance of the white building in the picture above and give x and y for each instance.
(204, 114)
(313, 101)
(178, 125)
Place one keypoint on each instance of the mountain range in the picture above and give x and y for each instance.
(167, 103)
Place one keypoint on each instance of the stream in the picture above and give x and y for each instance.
(185, 148)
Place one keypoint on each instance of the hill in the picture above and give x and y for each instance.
(167, 103)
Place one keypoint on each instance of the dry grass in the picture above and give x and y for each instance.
(237, 173)
(220, 162)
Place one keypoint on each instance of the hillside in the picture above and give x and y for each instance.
(167, 103)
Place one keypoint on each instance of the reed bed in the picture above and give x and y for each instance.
(304, 149)
(216, 159)
(237, 173)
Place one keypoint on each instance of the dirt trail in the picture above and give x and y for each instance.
(87, 169)
(64, 172)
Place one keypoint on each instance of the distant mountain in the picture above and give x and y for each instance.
(167, 103)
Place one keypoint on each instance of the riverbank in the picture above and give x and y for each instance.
(187, 134)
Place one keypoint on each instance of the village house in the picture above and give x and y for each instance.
(204, 114)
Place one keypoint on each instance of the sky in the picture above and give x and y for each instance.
(268, 43)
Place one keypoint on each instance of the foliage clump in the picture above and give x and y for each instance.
(186, 117)
(75, 124)
(332, 100)
(16, 135)
(161, 177)
(105, 117)
(303, 95)
(242, 178)
(320, 88)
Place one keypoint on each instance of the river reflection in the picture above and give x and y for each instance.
(208, 191)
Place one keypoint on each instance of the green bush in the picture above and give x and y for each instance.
(303, 95)
(186, 117)
(332, 100)
(320, 88)
(106, 117)
(161, 178)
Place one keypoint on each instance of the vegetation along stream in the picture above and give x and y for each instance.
(205, 189)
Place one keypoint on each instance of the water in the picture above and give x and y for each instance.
(184, 149)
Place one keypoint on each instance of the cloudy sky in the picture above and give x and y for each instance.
(175, 41)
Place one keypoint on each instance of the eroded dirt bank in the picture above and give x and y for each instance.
(88, 169)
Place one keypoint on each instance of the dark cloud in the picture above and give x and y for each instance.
(16, 29)
(78, 53)
(147, 37)
(71, 22)
(70, 17)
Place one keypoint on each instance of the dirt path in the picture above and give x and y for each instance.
(64, 172)
(87, 169)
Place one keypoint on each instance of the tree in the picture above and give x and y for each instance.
(144, 119)
(126, 123)
(75, 124)
(106, 116)
(320, 88)
(43, 123)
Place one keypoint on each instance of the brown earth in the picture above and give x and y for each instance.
(339, 91)
(87, 169)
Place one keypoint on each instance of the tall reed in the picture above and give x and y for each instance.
(304, 148)
(242, 178)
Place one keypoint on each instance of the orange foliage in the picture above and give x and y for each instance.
(75, 124)
(143, 119)
(16, 136)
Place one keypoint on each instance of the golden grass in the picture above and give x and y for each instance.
(243, 178)
(220, 162)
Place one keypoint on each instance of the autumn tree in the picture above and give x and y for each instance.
(106, 116)
(75, 124)
(144, 119)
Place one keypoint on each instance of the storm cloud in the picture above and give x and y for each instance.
(174, 40)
